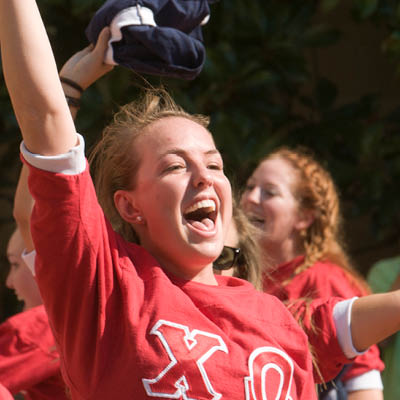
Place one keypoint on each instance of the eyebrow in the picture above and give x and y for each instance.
(181, 152)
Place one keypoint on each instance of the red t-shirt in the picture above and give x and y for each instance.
(322, 280)
(5, 394)
(29, 362)
(127, 330)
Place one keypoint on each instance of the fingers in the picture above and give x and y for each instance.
(102, 40)
(87, 65)
(86, 50)
(101, 48)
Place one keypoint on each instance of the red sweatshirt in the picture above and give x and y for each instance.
(5, 394)
(29, 361)
(127, 330)
(322, 280)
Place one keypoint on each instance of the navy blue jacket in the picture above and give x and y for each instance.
(159, 37)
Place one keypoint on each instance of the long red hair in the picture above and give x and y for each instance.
(315, 190)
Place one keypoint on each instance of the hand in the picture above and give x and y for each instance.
(87, 66)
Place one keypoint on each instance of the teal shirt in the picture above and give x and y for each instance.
(381, 277)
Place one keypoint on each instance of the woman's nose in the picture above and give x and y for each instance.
(203, 177)
(9, 280)
(251, 196)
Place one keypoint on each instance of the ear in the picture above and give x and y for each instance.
(126, 206)
(305, 219)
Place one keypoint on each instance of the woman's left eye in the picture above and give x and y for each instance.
(215, 166)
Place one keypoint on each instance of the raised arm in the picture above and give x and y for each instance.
(83, 68)
(374, 318)
(32, 80)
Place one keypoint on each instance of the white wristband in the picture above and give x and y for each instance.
(71, 163)
(342, 318)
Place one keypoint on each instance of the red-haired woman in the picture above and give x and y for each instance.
(294, 202)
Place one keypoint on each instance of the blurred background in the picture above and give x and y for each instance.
(319, 73)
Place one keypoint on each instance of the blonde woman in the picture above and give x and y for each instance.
(149, 319)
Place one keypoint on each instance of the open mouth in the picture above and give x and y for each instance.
(202, 215)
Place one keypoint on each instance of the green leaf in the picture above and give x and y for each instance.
(365, 8)
(320, 35)
(371, 141)
(391, 45)
(326, 93)
(328, 5)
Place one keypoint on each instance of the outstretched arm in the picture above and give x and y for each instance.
(32, 80)
(367, 394)
(374, 318)
(396, 283)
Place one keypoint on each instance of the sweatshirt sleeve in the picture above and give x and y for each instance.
(327, 333)
(78, 263)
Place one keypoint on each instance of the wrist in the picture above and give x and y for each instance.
(73, 101)
(71, 83)
(68, 91)
(72, 92)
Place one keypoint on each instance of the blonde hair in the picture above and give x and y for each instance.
(315, 191)
(114, 161)
(302, 312)
(250, 268)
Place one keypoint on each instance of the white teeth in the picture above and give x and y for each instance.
(201, 204)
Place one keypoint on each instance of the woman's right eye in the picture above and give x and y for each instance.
(249, 187)
(269, 192)
(174, 167)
